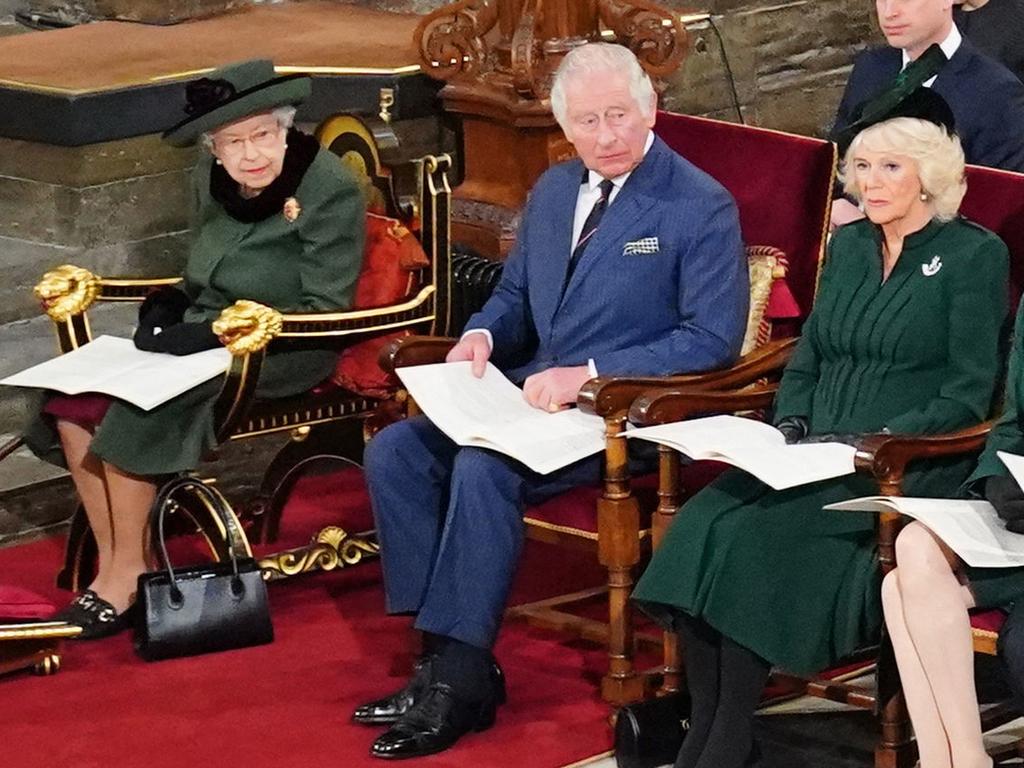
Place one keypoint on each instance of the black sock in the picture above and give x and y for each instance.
(433, 644)
(466, 668)
(701, 661)
(742, 680)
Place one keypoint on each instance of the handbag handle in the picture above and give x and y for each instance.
(216, 504)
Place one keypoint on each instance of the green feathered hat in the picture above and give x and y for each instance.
(232, 93)
(906, 97)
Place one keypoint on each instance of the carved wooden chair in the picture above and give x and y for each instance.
(996, 200)
(326, 422)
(620, 531)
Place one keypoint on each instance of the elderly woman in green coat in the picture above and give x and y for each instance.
(276, 219)
(903, 338)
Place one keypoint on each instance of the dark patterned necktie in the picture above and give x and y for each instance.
(590, 226)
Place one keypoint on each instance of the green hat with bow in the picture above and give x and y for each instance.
(907, 96)
(232, 93)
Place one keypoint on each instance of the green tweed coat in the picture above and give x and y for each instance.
(915, 354)
(309, 264)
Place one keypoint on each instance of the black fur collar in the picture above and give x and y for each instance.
(302, 148)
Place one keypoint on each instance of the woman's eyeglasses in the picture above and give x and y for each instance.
(261, 138)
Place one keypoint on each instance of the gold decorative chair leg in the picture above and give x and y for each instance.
(48, 665)
(332, 548)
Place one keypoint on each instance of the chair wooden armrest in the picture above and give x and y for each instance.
(885, 457)
(608, 395)
(415, 350)
(660, 407)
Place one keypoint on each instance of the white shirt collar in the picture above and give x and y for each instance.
(594, 178)
(949, 46)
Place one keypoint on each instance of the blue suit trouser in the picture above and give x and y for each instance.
(450, 522)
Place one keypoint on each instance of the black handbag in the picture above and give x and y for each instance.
(649, 733)
(202, 608)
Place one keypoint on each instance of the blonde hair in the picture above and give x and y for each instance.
(938, 155)
(601, 57)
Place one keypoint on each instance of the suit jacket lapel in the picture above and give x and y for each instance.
(551, 270)
(630, 204)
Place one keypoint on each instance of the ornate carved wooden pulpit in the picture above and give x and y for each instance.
(498, 58)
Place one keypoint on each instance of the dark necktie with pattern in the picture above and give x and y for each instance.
(589, 227)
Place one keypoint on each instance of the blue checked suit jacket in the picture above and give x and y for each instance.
(633, 309)
(986, 98)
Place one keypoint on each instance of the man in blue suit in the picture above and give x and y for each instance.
(628, 261)
(986, 98)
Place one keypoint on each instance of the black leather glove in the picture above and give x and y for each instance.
(793, 428)
(833, 437)
(180, 339)
(1006, 497)
(163, 307)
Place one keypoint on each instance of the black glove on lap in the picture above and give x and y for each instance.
(163, 307)
(180, 339)
(793, 428)
(1006, 497)
(833, 437)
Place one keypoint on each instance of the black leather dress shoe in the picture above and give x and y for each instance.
(435, 723)
(388, 710)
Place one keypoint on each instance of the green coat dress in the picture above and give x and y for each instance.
(309, 264)
(1000, 587)
(916, 354)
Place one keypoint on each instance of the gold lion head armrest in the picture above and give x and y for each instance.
(247, 327)
(67, 291)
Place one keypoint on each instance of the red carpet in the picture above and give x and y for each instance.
(287, 704)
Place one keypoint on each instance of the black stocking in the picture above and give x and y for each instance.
(701, 660)
(742, 679)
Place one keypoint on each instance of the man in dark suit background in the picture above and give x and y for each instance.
(628, 260)
(986, 98)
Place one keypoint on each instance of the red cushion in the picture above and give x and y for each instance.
(390, 261)
(21, 604)
(988, 621)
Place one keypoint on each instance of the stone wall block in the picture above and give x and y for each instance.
(92, 164)
(702, 84)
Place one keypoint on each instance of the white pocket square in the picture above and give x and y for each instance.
(643, 245)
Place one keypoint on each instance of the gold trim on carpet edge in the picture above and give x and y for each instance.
(406, 69)
(591, 760)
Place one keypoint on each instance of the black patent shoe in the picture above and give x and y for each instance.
(95, 616)
(77, 611)
(388, 710)
(434, 724)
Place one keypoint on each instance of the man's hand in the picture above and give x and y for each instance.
(475, 347)
(793, 428)
(553, 389)
(843, 212)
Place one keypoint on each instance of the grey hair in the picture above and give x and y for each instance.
(601, 57)
(285, 117)
(938, 155)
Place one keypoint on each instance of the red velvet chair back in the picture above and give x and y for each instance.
(995, 199)
(782, 184)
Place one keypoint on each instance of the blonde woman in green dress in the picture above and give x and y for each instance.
(903, 338)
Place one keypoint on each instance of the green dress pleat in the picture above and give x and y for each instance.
(915, 354)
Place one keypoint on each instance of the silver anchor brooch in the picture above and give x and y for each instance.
(931, 267)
